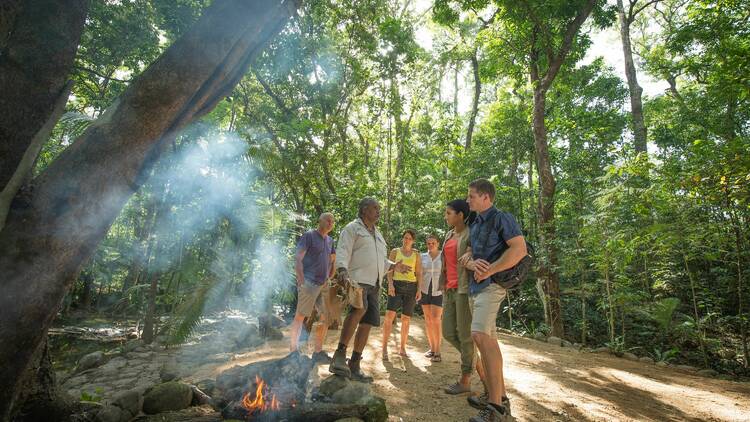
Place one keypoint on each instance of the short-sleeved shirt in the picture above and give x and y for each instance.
(489, 239)
(431, 274)
(317, 260)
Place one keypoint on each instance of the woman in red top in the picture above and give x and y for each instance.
(454, 283)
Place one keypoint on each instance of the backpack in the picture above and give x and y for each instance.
(513, 277)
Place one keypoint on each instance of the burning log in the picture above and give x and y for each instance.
(312, 412)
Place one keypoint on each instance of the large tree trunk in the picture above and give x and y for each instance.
(36, 55)
(50, 232)
(547, 268)
(636, 104)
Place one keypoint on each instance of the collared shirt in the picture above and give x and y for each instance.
(431, 269)
(489, 239)
(363, 253)
(317, 261)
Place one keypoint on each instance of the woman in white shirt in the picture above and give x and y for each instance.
(432, 297)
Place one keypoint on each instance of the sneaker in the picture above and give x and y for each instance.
(492, 414)
(338, 364)
(480, 402)
(321, 358)
(456, 388)
(357, 374)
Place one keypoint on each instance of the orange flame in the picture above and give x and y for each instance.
(259, 403)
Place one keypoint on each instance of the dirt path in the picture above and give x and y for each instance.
(546, 383)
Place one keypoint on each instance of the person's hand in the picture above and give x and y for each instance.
(400, 267)
(465, 258)
(481, 270)
(391, 290)
(300, 281)
(419, 295)
(342, 276)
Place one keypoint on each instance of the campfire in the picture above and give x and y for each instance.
(259, 404)
(276, 390)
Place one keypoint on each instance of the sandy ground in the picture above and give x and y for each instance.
(545, 383)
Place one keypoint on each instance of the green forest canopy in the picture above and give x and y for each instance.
(650, 247)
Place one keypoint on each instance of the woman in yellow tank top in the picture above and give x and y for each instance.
(403, 290)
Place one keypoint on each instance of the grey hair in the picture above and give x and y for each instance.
(325, 215)
(364, 203)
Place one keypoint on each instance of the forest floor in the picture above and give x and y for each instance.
(545, 383)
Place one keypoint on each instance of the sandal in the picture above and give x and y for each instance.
(456, 388)
(436, 358)
(385, 356)
(429, 354)
(403, 353)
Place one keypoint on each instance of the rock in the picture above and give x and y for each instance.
(167, 396)
(376, 410)
(207, 386)
(131, 346)
(602, 349)
(646, 359)
(356, 392)
(540, 336)
(92, 360)
(557, 341)
(630, 356)
(707, 373)
(662, 363)
(112, 413)
(566, 343)
(130, 401)
(332, 384)
(169, 372)
(578, 346)
(687, 368)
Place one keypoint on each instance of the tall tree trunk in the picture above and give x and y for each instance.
(75, 200)
(36, 56)
(636, 104)
(475, 103)
(547, 232)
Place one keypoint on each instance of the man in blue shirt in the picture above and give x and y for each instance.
(313, 267)
(497, 245)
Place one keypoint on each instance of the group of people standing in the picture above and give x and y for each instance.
(454, 285)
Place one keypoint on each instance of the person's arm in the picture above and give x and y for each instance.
(343, 253)
(298, 266)
(389, 274)
(418, 274)
(515, 252)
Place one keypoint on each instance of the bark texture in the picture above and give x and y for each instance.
(37, 48)
(51, 231)
(636, 103)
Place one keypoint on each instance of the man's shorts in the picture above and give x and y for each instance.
(405, 298)
(311, 295)
(485, 306)
(371, 303)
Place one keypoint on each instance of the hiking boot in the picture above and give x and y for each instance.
(480, 402)
(338, 364)
(356, 371)
(321, 358)
(491, 413)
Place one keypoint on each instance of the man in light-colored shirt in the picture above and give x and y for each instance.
(362, 260)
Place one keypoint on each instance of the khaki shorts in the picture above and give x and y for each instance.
(485, 306)
(311, 295)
